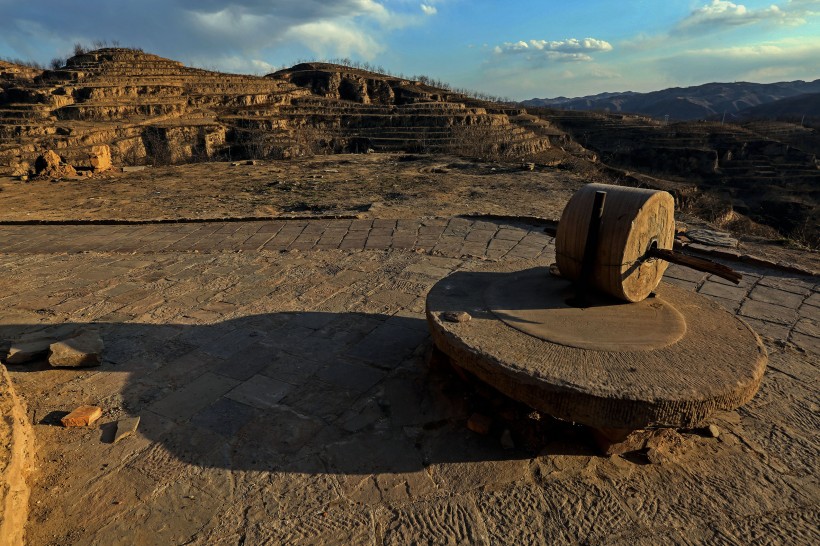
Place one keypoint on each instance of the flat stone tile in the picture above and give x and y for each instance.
(768, 312)
(428, 270)
(770, 330)
(735, 293)
(260, 392)
(321, 400)
(292, 369)
(388, 345)
(776, 296)
(813, 300)
(224, 417)
(478, 235)
(361, 225)
(805, 342)
(354, 377)
(675, 271)
(795, 286)
(809, 311)
(202, 391)
(248, 362)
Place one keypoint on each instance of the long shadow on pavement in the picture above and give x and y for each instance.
(342, 393)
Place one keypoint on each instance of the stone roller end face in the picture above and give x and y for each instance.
(634, 220)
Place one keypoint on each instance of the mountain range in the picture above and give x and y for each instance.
(738, 100)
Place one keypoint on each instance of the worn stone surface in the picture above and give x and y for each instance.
(284, 399)
(603, 385)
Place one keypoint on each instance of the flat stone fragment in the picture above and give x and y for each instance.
(82, 416)
(712, 238)
(35, 344)
(84, 349)
(21, 352)
(717, 363)
(126, 427)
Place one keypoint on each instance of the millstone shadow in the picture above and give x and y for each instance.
(305, 392)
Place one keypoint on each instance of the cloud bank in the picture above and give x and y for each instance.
(569, 50)
(724, 14)
(209, 32)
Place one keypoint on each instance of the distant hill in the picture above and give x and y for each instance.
(686, 103)
(793, 108)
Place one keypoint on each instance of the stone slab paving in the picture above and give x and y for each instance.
(278, 371)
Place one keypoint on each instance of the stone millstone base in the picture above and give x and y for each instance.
(716, 362)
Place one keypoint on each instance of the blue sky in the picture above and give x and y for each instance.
(517, 49)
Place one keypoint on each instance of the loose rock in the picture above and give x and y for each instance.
(21, 352)
(100, 158)
(84, 349)
(50, 165)
(712, 238)
(34, 345)
(664, 446)
(126, 427)
(456, 316)
(713, 430)
(82, 416)
(20, 169)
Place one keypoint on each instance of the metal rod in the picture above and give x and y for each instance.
(591, 246)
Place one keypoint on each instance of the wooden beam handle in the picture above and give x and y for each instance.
(701, 264)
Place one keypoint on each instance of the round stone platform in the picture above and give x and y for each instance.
(670, 360)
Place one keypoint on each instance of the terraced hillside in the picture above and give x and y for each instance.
(151, 109)
(765, 171)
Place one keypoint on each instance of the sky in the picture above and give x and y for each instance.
(515, 49)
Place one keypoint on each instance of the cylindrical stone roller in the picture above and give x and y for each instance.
(633, 221)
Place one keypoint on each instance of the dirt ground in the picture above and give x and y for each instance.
(372, 185)
(352, 185)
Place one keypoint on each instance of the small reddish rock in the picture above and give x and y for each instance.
(82, 416)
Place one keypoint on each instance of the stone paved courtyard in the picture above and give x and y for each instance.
(279, 373)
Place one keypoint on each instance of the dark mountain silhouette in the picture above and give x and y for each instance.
(687, 103)
(800, 108)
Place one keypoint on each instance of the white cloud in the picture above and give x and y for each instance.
(569, 50)
(209, 29)
(572, 45)
(329, 37)
(428, 9)
(723, 14)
